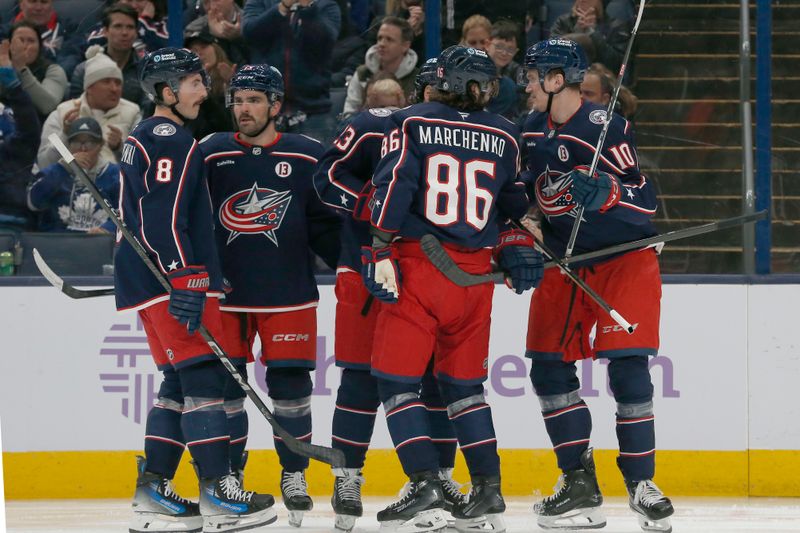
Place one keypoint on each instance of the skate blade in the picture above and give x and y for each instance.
(489, 522)
(663, 525)
(586, 518)
(161, 523)
(344, 522)
(430, 520)
(231, 523)
(296, 518)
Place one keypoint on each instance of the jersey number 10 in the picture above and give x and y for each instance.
(451, 182)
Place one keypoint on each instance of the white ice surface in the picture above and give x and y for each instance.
(706, 515)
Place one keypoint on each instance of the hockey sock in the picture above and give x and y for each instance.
(290, 391)
(354, 418)
(443, 434)
(204, 423)
(472, 420)
(163, 437)
(630, 382)
(408, 425)
(238, 424)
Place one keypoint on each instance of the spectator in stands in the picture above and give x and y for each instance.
(102, 100)
(598, 87)
(43, 80)
(18, 150)
(604, 39)
(41, 14)
(151, 29)
(503, 46)
(214, 115)
(297, 37)
(392, 55)
(223, 20)
(62, 202)
(384, 92)
(119, 26)
(476, 32)
(413, 12)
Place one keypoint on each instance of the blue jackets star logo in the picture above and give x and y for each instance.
(254, 211)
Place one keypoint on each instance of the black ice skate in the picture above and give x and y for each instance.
(576, 501)
(483, 508)
(451, 489)
(420, 510)
(346, 499)
(158, 509)
(295, 496)
(226, 507)
(650, 505)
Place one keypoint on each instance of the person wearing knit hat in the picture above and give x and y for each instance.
(98, 67)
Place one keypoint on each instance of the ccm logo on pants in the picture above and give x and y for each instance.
(290, 337)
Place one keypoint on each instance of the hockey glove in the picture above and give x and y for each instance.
(381, 274)
(188, 297)
(516, 255)
(600, 193)
(363, 207)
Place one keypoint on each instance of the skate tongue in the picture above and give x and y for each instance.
(648, 493)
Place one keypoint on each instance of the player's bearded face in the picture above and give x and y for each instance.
(252, 111)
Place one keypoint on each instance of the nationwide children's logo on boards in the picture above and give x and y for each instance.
(254, 211)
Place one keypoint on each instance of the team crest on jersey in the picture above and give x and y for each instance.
(283, 169)
(380, 112)
(254, 211)
(553, 192)
(598, 116)
(164, 130)
(563, 153)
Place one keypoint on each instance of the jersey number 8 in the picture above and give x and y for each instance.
(442, 198)
(164, 170)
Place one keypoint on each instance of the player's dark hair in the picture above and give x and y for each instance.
(505, 30)
(122, 9)
(406, 32)
(462, 102)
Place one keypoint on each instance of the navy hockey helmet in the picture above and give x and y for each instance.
(262, 78)
(553, 54)
(426, 76)
(169, 66)
(459, 65)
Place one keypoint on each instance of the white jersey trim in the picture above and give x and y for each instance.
(286, 309)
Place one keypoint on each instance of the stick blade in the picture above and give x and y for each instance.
(46, 271)
(323, 454)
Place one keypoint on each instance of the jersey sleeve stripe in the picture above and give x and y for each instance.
(403, 152)
(181, 182)
(533, 134)
(218, 155)
(298, 156)
(347, 156)
(637, 208)
(611, 165)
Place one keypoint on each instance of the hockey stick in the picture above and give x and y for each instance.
(330, 456)
(573, 236)
(57, 282)
(444, 263)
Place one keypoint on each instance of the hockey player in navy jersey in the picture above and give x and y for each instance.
(164, 201)
(267, 219)
(619, 202)
(450, 170)
(342, 181)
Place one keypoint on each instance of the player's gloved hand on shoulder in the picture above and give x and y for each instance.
(188, 297)
(380, 272)
(363, 208)
(516, 255)
(599, 193)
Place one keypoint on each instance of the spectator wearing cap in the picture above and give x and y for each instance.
(119, 25)
(214, 115)
(223, 21)
(297, 37)
(62, 202)
(603, 38)
(101, 100)
(43, 80)
(18, 149)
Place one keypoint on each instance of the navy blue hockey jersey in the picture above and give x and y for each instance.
(552, 152)
(164, 201)
(448, 173)
(268, 218)
(342, 173)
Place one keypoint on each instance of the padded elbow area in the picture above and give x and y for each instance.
(629, 378)
(290, 383)
(550, 378)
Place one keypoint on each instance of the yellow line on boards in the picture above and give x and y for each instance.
(103, 474)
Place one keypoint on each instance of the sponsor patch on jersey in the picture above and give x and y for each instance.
(254, 211)
(164, 130)
(598, 116)
(381, 112)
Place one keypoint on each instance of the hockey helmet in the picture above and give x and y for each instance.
(262, 78)
(459, 65)
(552, 54)
(426, 76)
(169, 66)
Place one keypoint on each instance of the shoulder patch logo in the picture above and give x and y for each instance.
(164, 130)
(380, 112)
(598, 116)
